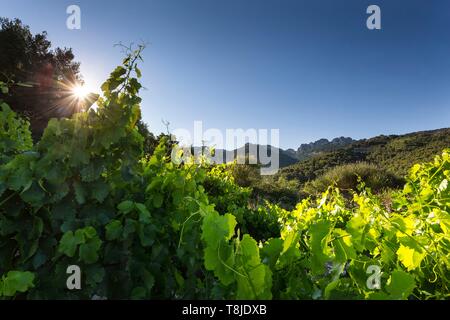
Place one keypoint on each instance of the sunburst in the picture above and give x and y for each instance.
(81, 91)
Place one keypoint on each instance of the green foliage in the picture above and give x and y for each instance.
(15, 281)
(15, 137)
(88, 195)
(235, 261)
(314, 167)
(144, 227)
(279, 190)
(326, 247)
(411, 249)
(58, 198)
(350, 176)
(262, 222)
(245, 175)
(225, 194)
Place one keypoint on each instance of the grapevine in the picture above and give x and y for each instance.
(147, 228)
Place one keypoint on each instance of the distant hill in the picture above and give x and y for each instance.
(252, 151)
(307, 150)
(384, 159)
(396, 153)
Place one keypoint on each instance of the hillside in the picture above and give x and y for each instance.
(289, 156)
(396, 153)
(286, 158)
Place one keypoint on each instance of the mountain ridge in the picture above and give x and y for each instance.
(359, 147)
(396, 153)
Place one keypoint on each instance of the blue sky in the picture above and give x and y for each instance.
(309, 68)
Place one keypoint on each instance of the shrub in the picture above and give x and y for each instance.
(349, 176)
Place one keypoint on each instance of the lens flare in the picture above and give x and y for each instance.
(80, 91)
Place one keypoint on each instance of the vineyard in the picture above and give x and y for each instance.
(144, 227)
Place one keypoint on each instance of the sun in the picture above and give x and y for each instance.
(81, 91)
(81, 96)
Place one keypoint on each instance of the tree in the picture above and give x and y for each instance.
(39, 78)
(150, 141)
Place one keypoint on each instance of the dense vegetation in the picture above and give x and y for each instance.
(349, 176)
(386, 159)
(392, 153)
(146, 227)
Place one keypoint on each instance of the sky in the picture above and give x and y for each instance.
(311, 69)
